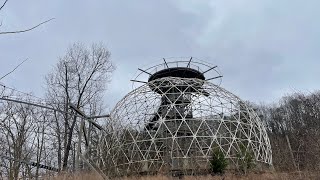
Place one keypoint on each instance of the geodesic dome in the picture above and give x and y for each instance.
(174, 123)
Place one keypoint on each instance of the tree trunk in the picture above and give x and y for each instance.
(290, 151)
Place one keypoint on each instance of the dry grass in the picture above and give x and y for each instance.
(228, 176)
(80, 176)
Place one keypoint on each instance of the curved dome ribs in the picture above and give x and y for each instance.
(173, 121)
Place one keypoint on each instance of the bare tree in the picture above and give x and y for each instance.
(293, 126)
(17, 127)
(80, 78)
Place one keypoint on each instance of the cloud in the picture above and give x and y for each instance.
(261, 45)
(263, 48)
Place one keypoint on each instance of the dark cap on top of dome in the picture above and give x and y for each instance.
(180, 72)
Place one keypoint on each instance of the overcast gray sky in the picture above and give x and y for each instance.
(264, 48)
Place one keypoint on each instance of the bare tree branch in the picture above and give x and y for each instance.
(79, 78)
(21, 31)
(13, 69)
(3, 4)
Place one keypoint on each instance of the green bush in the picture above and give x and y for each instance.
(245, 159)
(218, 162)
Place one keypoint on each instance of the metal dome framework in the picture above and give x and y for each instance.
(173, 124)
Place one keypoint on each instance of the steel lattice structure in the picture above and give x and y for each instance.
(172, 123)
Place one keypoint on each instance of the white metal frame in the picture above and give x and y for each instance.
(219, 119)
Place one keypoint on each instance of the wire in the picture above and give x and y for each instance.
(24, 93)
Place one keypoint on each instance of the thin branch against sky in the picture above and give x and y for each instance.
(26, 30)
(13, 69)
(3, 4)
